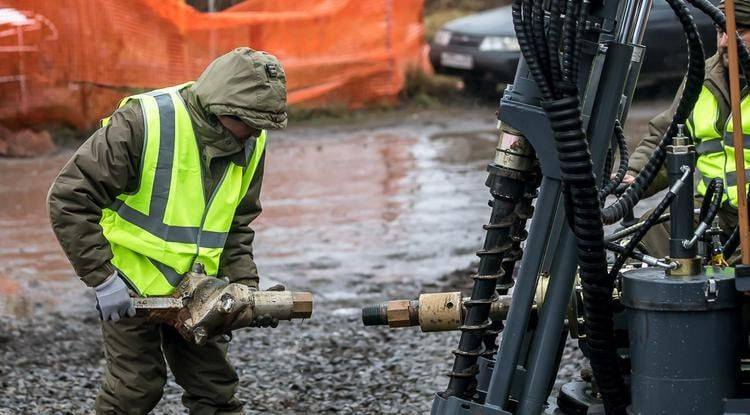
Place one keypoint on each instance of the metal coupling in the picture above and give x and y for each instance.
(684, 267)
(656, 262)
(203, 307)
(431, 312)
(686, 172)
(513, 150)
(697, 234)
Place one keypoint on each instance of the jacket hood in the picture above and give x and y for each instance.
(245, 83)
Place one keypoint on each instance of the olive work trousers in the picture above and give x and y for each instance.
(136, 371)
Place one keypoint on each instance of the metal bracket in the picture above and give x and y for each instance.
(712, 290)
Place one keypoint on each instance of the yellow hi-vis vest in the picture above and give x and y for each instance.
(714, 143)
(158, 232)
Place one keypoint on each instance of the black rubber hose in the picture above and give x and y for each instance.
(569, 40)
(617, 235)
(611, 246)
(641, 232)
(540, 43)
(553, 44)
(732, 243)
(577, 172)
(608, 162)
(519, 12)
(622, 146)
(710, 206)
(690, 94)
(581, 14)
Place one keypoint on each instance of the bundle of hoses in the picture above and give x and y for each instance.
(632, 196)
(709, 208)
(556, 83)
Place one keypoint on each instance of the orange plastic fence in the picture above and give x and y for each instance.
(69, 61)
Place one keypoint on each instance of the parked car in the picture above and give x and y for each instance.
(483, 50)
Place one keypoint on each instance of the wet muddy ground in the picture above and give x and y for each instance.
(354, 213)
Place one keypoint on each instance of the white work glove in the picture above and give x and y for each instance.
(113, 300)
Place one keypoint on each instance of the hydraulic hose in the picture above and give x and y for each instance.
(555, 31)
(649, 222)
(581, 12)
(622, 146)
(691, 91)
(521, 12)
(708, 199)
(540, 44)
(709, 208)
(732, 243)
(577, 173)
(647, 259)
(633, 229)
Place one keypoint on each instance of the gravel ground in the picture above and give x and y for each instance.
(330, 364)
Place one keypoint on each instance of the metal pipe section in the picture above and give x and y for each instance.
(635, 17)
(629, 15)
(523, 293)
(639, 28)
(433, 312)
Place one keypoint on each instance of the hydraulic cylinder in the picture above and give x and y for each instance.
(681, 156)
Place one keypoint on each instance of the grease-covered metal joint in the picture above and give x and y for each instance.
(431, 312)
(203, 307)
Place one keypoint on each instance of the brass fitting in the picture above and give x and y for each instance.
(432, 312)
(685, 266)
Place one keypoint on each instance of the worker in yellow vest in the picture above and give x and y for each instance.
(170, 181)
(710, 126)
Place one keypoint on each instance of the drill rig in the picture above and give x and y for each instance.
(663, 339)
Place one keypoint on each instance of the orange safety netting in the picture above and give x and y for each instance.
(69, 61)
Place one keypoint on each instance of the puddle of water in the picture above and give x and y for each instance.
(341, 211)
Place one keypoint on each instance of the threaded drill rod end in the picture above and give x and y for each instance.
(375, 315)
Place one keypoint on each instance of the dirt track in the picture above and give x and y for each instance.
(355, 213)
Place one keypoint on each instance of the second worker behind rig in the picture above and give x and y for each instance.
(710, 126)
(170, 180)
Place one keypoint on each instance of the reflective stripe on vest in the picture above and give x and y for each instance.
(703, 127)
(730, 169)
(157, 232)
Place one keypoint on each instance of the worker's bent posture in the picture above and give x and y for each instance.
(710, 126)
(171, 179)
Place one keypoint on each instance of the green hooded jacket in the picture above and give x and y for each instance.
(244, 83)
